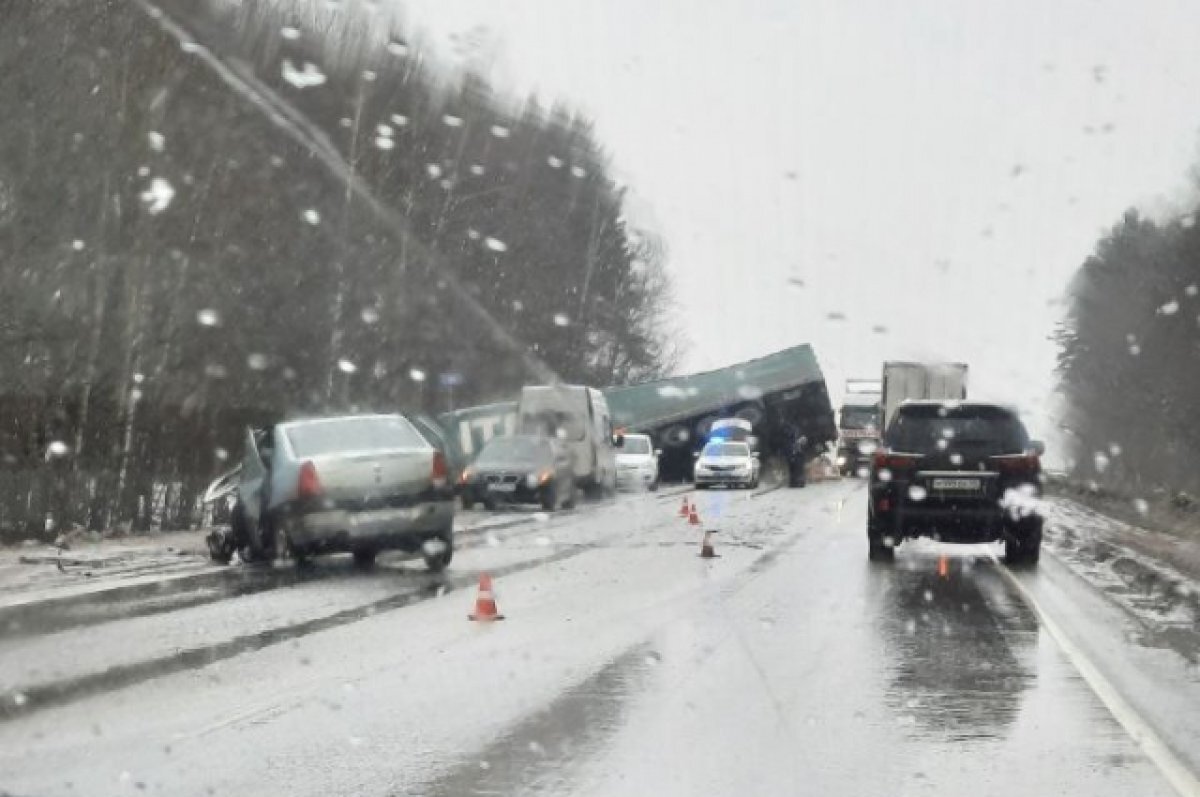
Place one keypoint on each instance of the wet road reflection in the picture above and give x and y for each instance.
(959, 647)
(538, 754)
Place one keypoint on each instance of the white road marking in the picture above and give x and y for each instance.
(1173, 770)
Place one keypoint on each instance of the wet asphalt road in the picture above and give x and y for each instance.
(626, 665)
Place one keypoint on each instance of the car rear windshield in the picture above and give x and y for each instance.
(353, 434)
(928, 429)
(514, 450)
(726, 450)
(636, 445)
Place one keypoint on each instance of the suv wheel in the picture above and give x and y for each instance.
(549, 498)
(1023, 542)
(877, 550)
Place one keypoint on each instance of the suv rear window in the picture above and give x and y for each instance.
(980, 430)
(353, 434)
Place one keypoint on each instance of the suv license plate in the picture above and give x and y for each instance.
(502, 488)
(971, 485)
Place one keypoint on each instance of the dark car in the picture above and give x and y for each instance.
(960, 472)
(521, 469)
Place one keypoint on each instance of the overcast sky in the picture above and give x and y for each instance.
(933, 171)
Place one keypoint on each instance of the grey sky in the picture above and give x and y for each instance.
(935, 167)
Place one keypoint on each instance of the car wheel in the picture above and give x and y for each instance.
(437, 562)
(877, 550)
(220, 546)
(365, 557)
(468, 502)
(654, 486)
(549, 498)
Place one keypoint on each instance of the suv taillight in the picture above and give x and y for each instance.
(439, 472)
(893, 462)
(309, 484)
(1016, 464)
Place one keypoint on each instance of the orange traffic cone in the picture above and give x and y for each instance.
(706, 547)
(693, 516)
(683, 510)
(943, 567)
(485, 602)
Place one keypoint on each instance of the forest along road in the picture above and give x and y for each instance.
(628, 664)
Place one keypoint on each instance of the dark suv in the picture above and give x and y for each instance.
(962, 472)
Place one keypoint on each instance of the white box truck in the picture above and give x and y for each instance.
(915, 381)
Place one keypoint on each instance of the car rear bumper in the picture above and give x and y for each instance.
(723, 478)
(630, 479)
(948, 524)
(376, 529)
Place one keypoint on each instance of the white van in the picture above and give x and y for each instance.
(578, 416)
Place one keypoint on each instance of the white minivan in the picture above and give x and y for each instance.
(578, 417)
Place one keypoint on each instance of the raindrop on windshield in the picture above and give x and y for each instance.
(303, 77)
(495, 244)
(208, 317)
(555, 162)
(1191, 290)
(416, 374)
(450, 120)
(1100, 461)
(346, 367)
(77, 245)
(289, 33)
(434, 170)
(384, 143)
(578, 171)
(370, 315)
(56, 449)
(157, 142)
(917, 492)
(399, 119)
(312, 216)
(397, 47)
(256, 361)
(1170, 308)
(561, 320)
(158, 196)
(1141, 505)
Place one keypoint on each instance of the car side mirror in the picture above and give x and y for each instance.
(658, 452)
(1038, 447)
(695, 455)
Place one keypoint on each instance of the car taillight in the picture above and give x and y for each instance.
(309, 484)
(1016, 463)
(545, 476)
(886, 459)
(465, 476)
(440, 472)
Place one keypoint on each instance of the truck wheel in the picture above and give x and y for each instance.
(437, 562)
